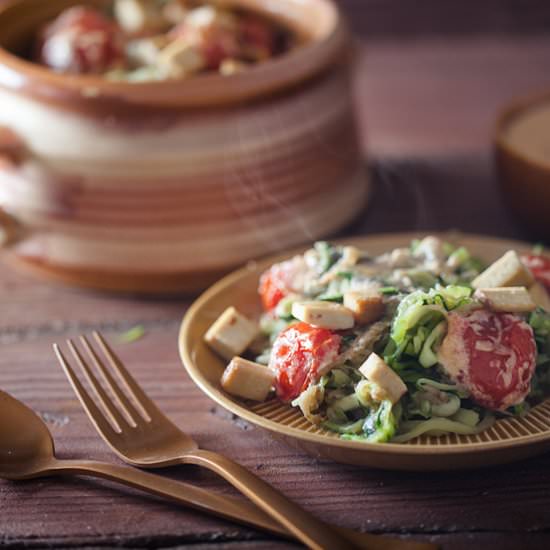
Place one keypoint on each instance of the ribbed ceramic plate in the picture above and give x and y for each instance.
(506, 441)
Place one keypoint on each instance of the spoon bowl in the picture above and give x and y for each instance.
(27, 445)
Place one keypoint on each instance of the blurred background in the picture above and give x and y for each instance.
(434, 73)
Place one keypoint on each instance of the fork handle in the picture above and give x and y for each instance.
(309, 530)
(212, 503)
(305, 527)
(176, 491)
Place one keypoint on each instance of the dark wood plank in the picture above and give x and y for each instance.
(451, 17)
(441, 96)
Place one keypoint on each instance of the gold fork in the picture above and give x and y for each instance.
(139, 433)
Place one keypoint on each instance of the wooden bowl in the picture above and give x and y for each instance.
(163, 186)
(523, 161)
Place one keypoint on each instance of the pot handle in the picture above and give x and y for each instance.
(12, 153)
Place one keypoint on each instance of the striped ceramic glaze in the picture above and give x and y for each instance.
(507, 440)
(163, 186)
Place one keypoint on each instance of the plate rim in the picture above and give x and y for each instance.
(241, 411)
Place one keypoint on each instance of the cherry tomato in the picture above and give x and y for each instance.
(539, 266)
(493, 355)
(82, 40)
(297, 355)
(276, 283)
(270, 290)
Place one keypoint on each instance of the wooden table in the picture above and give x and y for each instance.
(427, 108)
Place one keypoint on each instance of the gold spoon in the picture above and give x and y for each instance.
(27, 452)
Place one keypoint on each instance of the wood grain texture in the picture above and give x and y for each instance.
(442, 96)
(382, 18)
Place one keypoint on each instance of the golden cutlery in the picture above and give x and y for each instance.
(139, 433)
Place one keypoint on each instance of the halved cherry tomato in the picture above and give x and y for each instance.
(82, 40)
(275, 284)
(297, 355)
(493, 355)
(539, 266)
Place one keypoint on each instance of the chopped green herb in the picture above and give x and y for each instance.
(132, 335)
(388, 290)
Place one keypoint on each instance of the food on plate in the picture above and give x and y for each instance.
(419, 340)
(513, 299)
(506, 271)
(247, 379)
(141, 40)
(231, 334)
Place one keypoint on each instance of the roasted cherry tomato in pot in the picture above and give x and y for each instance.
(297, 355)
(492, 355)
(539, 266)
(82, 40)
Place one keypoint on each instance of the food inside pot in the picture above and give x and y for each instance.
(143, 40)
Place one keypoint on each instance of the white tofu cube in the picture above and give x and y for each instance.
(146, 51)
(377, 371)
(247, 379)
(323, 314)
(350, 256)
(506, 271)
(231, 334)
(181, 58)
(540, 296)
(208, 17)
(512, 299)
(366, 307)
(232, 66)
(137, 16)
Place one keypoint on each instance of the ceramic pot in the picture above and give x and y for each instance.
(163, 186)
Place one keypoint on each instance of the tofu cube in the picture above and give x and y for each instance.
(146, 51)
(208, 18)
(366, 307)
(540, 296)
(323, 314)
(506, 271)
(232, 66)
(181, 58)
(375, 370)
(231, 334)
(350, 256)
(138, 16)
(247, 379)
(512, 299)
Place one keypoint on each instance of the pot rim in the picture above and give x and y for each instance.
(314, 57)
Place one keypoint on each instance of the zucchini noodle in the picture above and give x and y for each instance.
(439, 426)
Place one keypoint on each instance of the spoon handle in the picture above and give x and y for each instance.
(176, 491)
(220, 505)
(303, 525)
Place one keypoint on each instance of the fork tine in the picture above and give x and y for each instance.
(140, 397)
(101, 394)
(97, 417)
(126, 404)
